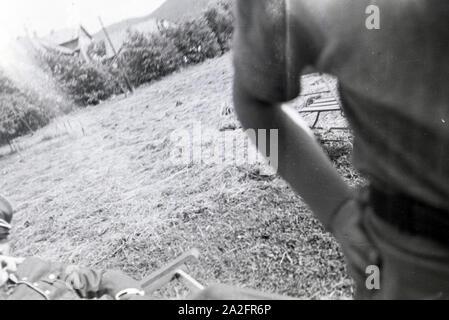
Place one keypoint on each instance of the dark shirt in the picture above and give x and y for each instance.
(37, 279)
(394, 81)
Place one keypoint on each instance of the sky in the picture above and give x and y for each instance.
(44, 16)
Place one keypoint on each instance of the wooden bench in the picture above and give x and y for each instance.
(319, 106)
(175, 271)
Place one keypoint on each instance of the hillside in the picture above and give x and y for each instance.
(171, 10)
(118, 32)
(106, 195)
(176, 10)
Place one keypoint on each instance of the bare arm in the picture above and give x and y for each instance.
(271, 48)
(302, 162)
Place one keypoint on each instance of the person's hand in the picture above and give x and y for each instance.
(4, 248)
(8, 265)
(90, 283)
(6, 210)
(116, 281)
(74, 277)
(349, 229)
(82, 279)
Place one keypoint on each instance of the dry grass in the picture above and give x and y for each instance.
(109, 198)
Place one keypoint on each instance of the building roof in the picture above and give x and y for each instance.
(63, 36)
(118, 33)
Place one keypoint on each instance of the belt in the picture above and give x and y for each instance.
(410, 215)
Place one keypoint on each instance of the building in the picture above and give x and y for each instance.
(69, 41)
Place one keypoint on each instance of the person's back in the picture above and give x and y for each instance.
(394, 80)
(394, 84)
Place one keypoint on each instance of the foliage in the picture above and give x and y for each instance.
(220, 20)
(194, 40)
(86, 83)
(97, 50)
(21, 110)
(149, 57)
(146, 57)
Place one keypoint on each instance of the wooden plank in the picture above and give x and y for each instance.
(189, 282)
(167, 273)
(323, 100)
(319, 109)
(326, 104)
(122, 69)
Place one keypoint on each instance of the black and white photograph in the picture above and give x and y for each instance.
(224, 150)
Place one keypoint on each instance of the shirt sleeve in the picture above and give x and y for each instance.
(271, 48)
(90, 284)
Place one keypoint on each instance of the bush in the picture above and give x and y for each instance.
(194, 40)
(21, 111)
(86, 83)
(97, 50)
(146, 57)
(149, 57)
(220, 20)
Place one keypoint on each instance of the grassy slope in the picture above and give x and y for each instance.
(109, 197)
